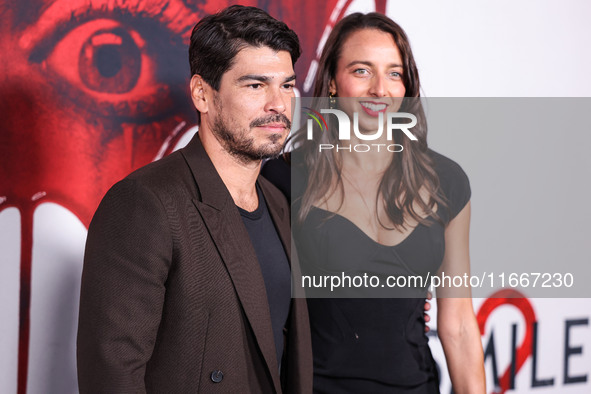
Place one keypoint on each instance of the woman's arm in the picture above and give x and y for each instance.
(456, 322)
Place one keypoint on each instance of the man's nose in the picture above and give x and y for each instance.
(276, 101)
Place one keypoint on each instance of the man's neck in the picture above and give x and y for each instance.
(238, 176)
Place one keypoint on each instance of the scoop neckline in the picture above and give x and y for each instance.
(334, 214)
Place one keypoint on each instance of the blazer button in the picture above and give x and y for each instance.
(217, 376)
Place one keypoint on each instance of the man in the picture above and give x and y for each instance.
(186, 278)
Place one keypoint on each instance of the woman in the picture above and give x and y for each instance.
(378, 211)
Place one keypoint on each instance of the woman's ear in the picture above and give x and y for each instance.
(199, 93)
(332, 88)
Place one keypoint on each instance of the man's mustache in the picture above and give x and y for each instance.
(277, 118)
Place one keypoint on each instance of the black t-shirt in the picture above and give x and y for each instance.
(274, 266)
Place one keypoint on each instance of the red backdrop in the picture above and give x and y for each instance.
(94, 90)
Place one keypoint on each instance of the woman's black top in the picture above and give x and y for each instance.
(372, 345)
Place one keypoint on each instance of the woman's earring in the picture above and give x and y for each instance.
(332, 101)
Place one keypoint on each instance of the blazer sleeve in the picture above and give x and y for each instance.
(126, 263)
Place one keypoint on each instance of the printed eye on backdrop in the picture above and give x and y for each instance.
(111, 69)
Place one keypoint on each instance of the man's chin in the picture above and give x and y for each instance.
(269, 151)
(272, 152)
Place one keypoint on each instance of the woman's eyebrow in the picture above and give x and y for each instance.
(371, 64)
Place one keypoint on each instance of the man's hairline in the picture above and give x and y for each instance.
(246, 45)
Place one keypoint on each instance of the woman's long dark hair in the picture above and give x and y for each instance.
(408, 172)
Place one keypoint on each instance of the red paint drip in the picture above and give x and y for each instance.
(26, 211)
(381, 6)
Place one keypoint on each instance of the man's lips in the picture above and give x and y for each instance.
(273, 126)
(373, 108)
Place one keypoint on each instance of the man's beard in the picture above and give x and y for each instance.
(242, 146)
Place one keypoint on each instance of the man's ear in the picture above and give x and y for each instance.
(200, 93)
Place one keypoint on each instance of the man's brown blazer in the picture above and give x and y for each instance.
(173, 299)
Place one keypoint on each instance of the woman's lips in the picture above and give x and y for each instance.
(373, 108)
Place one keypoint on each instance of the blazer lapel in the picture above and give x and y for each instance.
(232, 241)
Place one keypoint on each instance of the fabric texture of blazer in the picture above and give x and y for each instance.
(173, 299)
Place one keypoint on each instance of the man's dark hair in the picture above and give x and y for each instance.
(217, 38)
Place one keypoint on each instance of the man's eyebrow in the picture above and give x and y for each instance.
(254, 77)
(263, 78)
(289, 79)
(370, 64)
